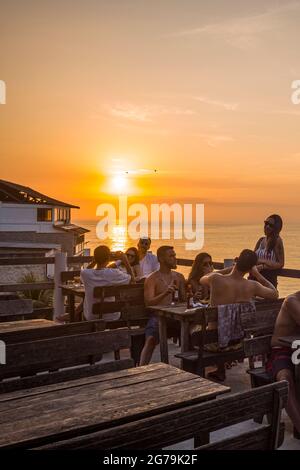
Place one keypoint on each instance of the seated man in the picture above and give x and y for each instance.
(102, 276)
(233, 287)
(280, 363)
(159, 289)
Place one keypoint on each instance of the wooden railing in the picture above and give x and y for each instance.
(291, 273)
(62, 263)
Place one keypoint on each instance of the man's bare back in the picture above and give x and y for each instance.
(288, 320)
(226, 290)
(233, 288)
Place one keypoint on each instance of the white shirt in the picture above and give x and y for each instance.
(149, 264)
(92, 278)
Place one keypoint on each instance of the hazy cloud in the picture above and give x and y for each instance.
(219, 104)
(145, 113)
(243, 32)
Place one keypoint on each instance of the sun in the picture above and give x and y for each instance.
(119, 184)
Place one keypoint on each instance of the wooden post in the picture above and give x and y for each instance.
(59, 266)
(163, 339)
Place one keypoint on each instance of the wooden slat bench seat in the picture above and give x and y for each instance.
(22, 309)
(15, 309)
(262, 322)
(129, 300)
(32, 330)
(170, 427)
(260, 346)
(61, 348)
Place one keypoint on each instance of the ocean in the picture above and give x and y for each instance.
(220, 241)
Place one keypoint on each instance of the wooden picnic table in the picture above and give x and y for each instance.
(288, 341)
(177, 312)
(8, 326)
(185, 317)
(72, 291)
(34, 417)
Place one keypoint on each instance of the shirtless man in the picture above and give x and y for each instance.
(280, 363)
(233, 287)
(158, 290)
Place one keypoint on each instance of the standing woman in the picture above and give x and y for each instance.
(270, 250)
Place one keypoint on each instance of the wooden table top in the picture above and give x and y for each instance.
(39, 415)
(8, 326)
(178, 311)
(77, 289)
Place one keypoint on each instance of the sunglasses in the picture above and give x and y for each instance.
(268, 224)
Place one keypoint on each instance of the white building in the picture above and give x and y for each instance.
(31, 221)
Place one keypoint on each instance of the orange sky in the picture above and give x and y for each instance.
(200, 91)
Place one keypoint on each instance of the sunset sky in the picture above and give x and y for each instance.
(198, 90)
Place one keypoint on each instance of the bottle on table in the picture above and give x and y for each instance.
(189, 297)
(175, 295)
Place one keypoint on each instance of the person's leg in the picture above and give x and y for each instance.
(78, 312)
(219, 374)
(147, 351)
(293, 405)
(152, 340)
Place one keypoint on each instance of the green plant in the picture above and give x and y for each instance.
(39, 297)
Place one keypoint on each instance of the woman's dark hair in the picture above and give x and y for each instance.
(197, 267)
(136, 255)
(272, 239)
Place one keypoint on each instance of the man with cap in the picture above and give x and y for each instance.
(148, 261)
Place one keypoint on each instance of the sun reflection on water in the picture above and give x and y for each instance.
(119, 238)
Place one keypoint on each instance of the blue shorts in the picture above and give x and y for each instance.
(152, 328)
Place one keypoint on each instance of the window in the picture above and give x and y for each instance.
(44, 215)
(63, 215)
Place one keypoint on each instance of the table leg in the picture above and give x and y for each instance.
(163, 340)
(184, 338)
(72, 307)
(201, 439)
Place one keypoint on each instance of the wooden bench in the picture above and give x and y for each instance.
(57, 348)
(15, 309)
(260, 346)
(129, 301)
(56, 330)
(22, 309)
(170, 427)
(195, 360)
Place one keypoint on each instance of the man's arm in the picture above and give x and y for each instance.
(207, 279)
(149, 292)
(129, 269)
(262, 287)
